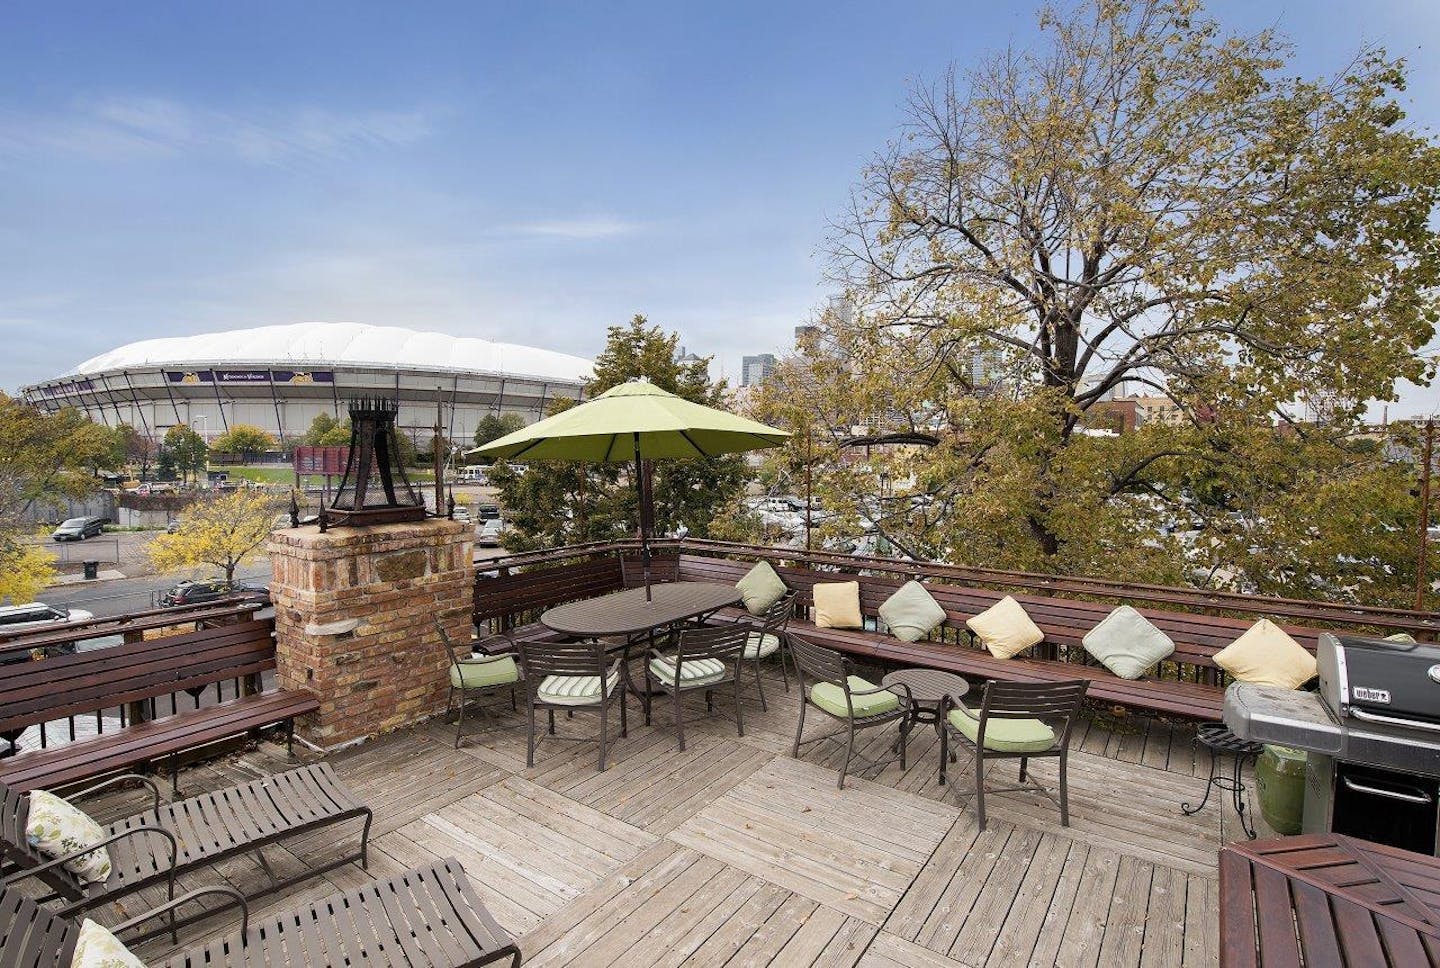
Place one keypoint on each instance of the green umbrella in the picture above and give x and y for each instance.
(634, 421)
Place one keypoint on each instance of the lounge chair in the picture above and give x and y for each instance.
(427, 916)
(704, 659)
(1021, 720)
(172, 838)
(845, 697)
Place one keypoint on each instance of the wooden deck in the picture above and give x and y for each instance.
(733, 853)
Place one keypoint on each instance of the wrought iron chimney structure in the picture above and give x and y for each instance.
(374, 489)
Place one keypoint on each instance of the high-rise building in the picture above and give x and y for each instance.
(754, 369)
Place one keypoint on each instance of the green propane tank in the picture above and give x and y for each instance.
(1280, 782)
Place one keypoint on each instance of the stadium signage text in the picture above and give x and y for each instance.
(290, 377)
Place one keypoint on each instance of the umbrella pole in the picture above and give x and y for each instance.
(644, 516)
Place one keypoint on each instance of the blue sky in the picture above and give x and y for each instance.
(527, 172)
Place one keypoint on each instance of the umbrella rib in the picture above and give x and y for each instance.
(691, 441)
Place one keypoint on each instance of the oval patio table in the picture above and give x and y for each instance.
(630, 618)
(627, 613)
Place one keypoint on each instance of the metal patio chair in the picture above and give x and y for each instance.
(705, 658)
(1024, 720)
(837, 692)
(571, 677)
(767, 638)
(489, 673)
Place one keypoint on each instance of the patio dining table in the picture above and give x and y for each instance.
(627, 613)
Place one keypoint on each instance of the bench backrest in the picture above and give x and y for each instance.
(68, 685)
(506, 596)
(1064, 621)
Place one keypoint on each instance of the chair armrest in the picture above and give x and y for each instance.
(871, 692)
(186, 898)
(154, 791)
(900, 689)
(134, 831)
(479, 645)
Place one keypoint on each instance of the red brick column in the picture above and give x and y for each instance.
(355, 614)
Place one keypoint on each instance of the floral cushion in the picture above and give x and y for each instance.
(56, 827)
(98, 948)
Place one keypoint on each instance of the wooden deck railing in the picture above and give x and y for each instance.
(513, 589)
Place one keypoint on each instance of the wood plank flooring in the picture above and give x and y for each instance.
(733, 853)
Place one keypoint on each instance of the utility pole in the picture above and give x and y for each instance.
(437, 460)
(1424, 515)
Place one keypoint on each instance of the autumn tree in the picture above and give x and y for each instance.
(493, 426)
(1138, 203)
(45, 459)
(327, 431)
(563, 502)
(182, 452)
(245, 440)
(221, 531)
(136, 448)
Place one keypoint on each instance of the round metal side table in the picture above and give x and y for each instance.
(1218, 739)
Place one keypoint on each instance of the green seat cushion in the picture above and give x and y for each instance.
(761, 587)
(911, 613)
(831, 698)
(575, 690)
(693, 672)
(480, 673)
(1005, 735)
(1127, 643)
(761, 644)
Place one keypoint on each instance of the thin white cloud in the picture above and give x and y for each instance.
(130, 128)
(579, 228)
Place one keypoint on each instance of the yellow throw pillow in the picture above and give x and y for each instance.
(1005, 629)
(1266, 656)
(837, 605)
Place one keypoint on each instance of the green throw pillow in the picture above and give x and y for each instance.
(911, 613)
(761, 587)
(1127, 643)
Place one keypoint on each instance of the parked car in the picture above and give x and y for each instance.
(487, 512)
(462, 513)
(78, 529)
(489, 535)
(203, 590)
(37, 617)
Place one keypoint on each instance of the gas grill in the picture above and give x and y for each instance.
(1372, 732)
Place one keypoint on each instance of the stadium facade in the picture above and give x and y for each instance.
(281, 377)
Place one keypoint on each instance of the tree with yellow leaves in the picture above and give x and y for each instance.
(223, 531)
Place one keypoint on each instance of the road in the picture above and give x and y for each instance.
(130, 594)
(122, 595)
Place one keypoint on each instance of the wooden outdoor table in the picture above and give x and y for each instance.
(628, 614)
(1327, 899)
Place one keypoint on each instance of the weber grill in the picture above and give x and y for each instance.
(1372, 734)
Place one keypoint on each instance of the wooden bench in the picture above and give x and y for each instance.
(1198, 695)
(132, 678)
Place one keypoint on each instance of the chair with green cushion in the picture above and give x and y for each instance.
(836, 691)
(1017, 719)
(571, 677)
(705, 659)
(767, 638)
(487, 671)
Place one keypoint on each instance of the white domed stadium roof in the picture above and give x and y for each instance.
(342, 344)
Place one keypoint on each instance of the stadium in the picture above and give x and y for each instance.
(281, 377)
